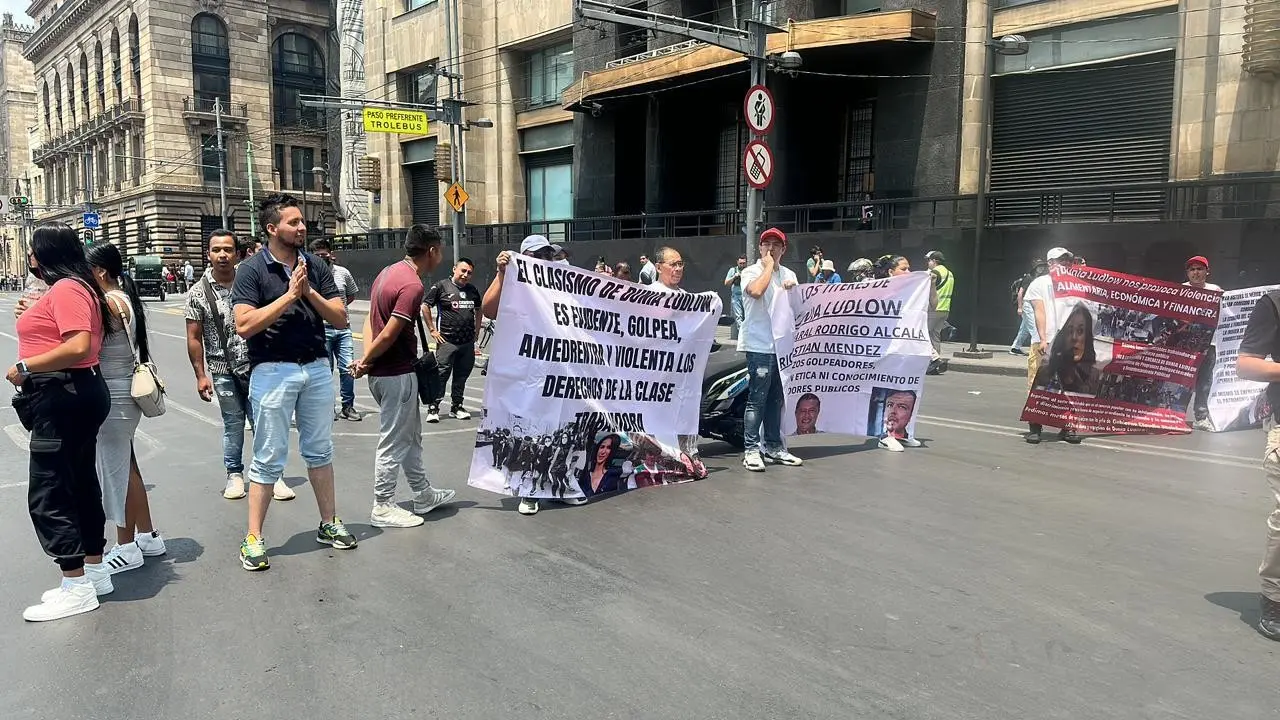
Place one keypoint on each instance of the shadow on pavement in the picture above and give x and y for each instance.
(816, 452)
(305, 542)
(1245, 603)
(147, 581)
(442, 512)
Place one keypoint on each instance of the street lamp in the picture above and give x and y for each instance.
(1009, 45)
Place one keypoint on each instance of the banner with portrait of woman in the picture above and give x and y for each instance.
(1125, 355)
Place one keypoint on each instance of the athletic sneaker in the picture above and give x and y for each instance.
(528, 506)
(430, 499)
(911, 442)
(123, 558)
(1016, 351)
(235, 486)
(390, 515)
(1203, 425)
(281, 491)
(335, 533)
(752, 461)
(782, 457)
(891, 444)
(433, 414)
(457, 412)
(97, 574)
(72, 597)
(151, 544)
(349, 412)
(572, 500)
(253, 553)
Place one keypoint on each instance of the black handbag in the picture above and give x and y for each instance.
(24, 406)
(430, 386)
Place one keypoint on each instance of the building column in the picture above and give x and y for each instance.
(653, 157)
(976, 56)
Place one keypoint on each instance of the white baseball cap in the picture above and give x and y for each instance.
(533, 243)
(1058, 253)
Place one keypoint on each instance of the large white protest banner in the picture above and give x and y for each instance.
(856, 359)
(593, 383)
(1235, 404)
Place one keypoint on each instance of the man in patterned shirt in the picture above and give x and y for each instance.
(339, 341)
(221, 360)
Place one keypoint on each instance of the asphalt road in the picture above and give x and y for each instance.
(977, 577)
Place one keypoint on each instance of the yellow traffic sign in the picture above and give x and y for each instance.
(457, 197)
(386, 120)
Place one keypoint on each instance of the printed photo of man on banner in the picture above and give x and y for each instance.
(1126, 354)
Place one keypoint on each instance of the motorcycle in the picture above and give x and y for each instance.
(724, 396)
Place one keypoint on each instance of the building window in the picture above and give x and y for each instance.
(417, 85)
(135, 57)
(120, 167)
(210, 62)
(635, 40)
(550, 72)
(84, 85)
(858, 170)
(297, 69)
(137, 158)
(48, 117)
(102, 86)
(71, 94)
(57, 98)
(209, 158)
(115, 66)
(279, 167)
(550, 191)
(302, 159)
(415, 4)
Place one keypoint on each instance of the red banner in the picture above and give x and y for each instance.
(1125, 355)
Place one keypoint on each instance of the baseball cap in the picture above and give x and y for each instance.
(1199, 259)
(935, 255)
(534, 243)
(1058, 253)
(775, 234)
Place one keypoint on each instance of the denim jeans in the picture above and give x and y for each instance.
(764, 403)
(339, 344)
(233, 416)
(1026, 330)
(738, 314)
(279, 391)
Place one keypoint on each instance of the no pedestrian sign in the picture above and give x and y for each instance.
(758, 109)
(384, 120)
(757, 162)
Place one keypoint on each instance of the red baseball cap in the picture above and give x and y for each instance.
(1199, 259)
(774, 233)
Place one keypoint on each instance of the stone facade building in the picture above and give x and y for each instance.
(17, 116)
(128, 96)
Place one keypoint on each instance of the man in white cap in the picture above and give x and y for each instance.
(1040, 294)
(533, 246)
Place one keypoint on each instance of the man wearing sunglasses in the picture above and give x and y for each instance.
(455, 302)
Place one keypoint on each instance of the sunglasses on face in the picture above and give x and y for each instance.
(544, 253)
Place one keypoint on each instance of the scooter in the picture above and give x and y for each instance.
(724, 396)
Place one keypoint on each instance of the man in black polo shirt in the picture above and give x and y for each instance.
(1262, 339)
(282, 298)
(458, 303)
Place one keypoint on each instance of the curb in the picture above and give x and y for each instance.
(978, 368)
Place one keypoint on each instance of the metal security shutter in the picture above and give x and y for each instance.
(549, 158)
(424, 191)
(1103, 124)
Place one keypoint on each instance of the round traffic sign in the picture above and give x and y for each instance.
(758, 109)
(757, 162)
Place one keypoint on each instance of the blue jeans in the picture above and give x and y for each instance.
(233, 415)
(1026, 331)
(764, 403)
(339, 344)
(279, 391)
(738, 313)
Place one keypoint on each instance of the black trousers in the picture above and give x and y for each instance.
(65, 411)
(458, 360)
(1204, 382)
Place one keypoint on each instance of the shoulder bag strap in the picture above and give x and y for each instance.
(124, 324)
(422, 331)
(215, 316)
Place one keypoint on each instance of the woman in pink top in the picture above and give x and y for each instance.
(62, 402)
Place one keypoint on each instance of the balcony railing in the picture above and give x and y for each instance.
(205, 106)
(121, 113)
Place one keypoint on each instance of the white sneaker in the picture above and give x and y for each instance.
(123, 558)
(460, 413)
(235, 486)
(911, 442)
(281, 491)
(430, 499)
(782, 457)
(97, 575)
(752, 461)
(72, 597)
(151, 544)
(891, 444)
(528, 506)
(390, 515)
(433, 415)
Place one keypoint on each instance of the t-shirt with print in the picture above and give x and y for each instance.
(757, 326)
(1262, 338)
(396, 291)
(67, 307)
(457, 307)
(200, 310)
(1042, 289)
(346, 283)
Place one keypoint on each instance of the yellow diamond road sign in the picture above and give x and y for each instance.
(386, 120)
(457, 197)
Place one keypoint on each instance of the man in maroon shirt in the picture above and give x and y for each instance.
(389, 353)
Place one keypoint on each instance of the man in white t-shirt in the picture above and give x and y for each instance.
(670, 272)
(1040, 295)
(1197, 277)
(761, 283)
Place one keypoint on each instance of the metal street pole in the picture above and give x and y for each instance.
(984, 150)
(455, 130)
(755, 196)
(253, 210)
(222, 163)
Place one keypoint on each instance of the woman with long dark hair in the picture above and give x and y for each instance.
(597, 477)
(1073, 363)
(124, 496)
(62, 402)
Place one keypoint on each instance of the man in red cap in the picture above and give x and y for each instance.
(1197, 277)
(760, 283)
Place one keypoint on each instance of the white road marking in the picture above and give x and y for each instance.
(193, 413)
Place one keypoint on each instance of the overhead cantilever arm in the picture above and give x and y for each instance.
(730, 38)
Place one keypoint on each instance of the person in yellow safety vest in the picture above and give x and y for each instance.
(945, 284)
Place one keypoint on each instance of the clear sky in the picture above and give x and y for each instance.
(18, 8)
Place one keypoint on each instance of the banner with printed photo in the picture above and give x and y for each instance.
(594, 384)
(1125, 356)
(854, 359)
(1236, 404)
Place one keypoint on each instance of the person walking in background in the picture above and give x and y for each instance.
(648, 273)
(1040, 295)
(456, 303)
(62, 402)
(124, 495)
(945, 284)
(188, 276)
(338, 341)
(395, 301)
(733, 280)
(1026, 315)
(1198, 277)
